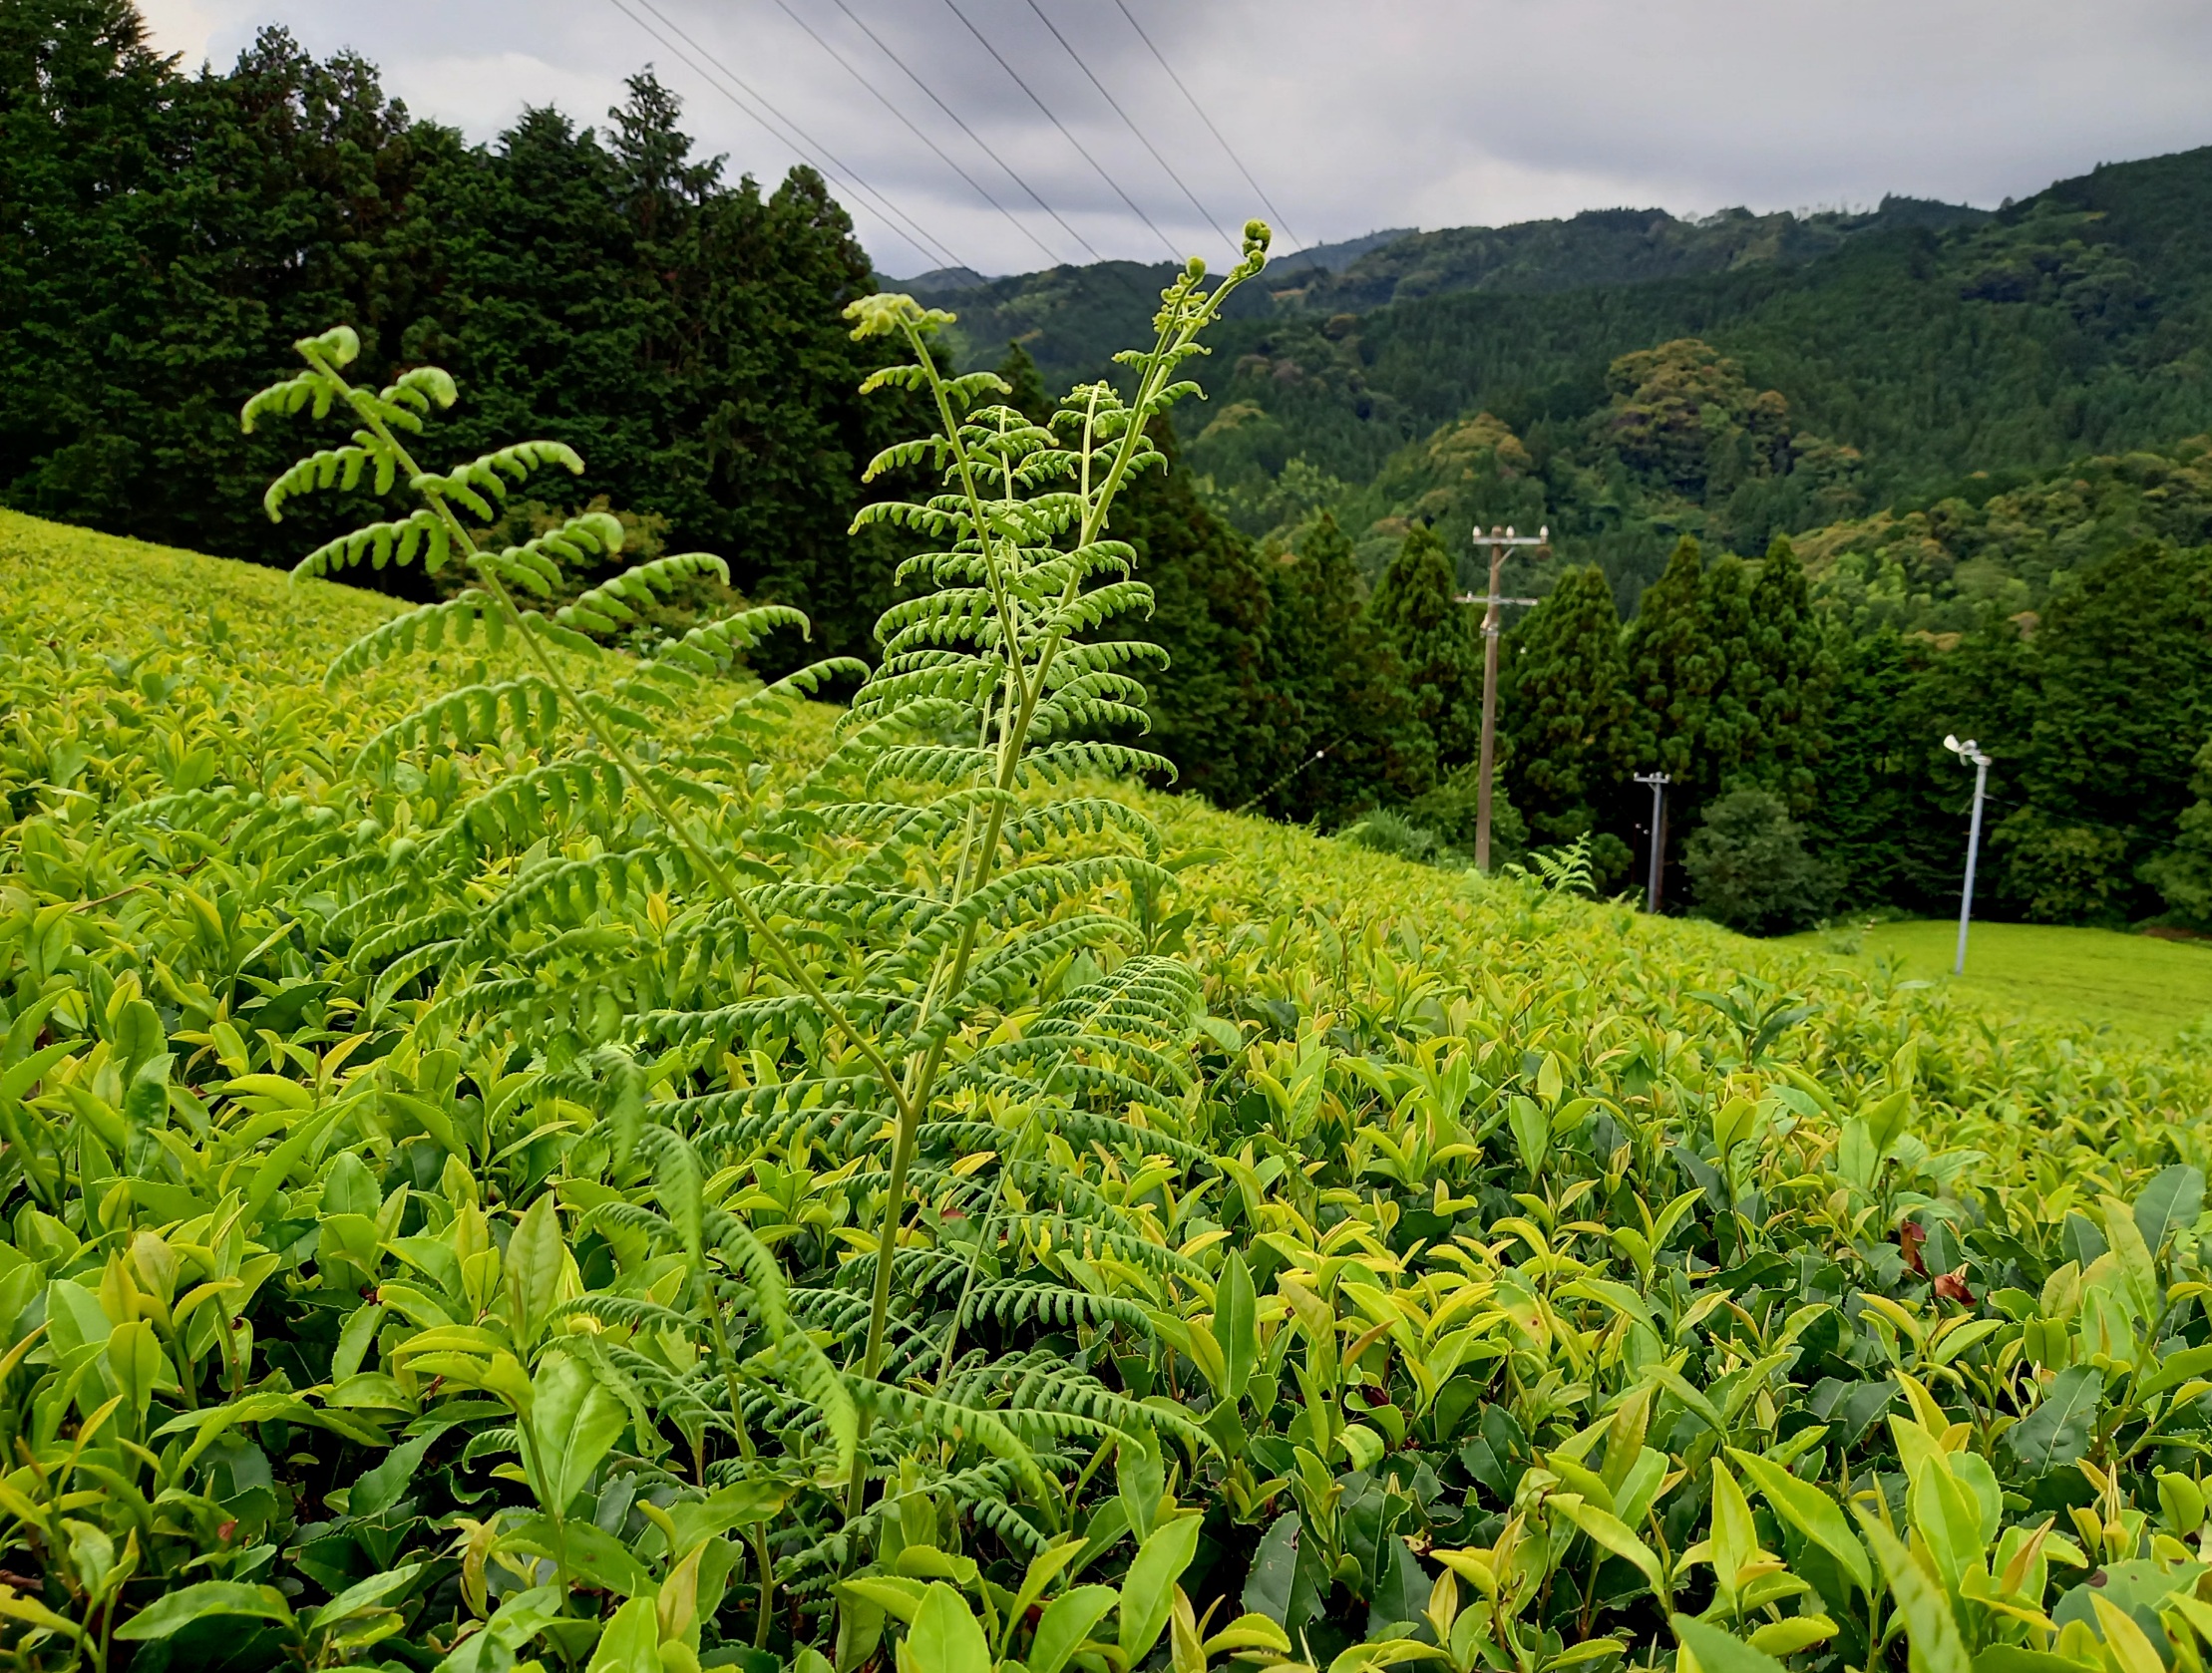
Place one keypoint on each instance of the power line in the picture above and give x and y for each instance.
(929, 249)
(927, 242)
(877, 94)
(861, 24)
(1209, 121)
(1142, 138)
(953, 8)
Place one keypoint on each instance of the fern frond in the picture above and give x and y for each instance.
(490, 477)
(427, 627)
(470, 717)
(810, 1370)
(1061, 763)
(1013, 1303)
(609, 606)
(421, 531)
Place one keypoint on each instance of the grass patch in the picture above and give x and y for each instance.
(2100, 977)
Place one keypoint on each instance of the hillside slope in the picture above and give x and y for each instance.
(1505, 1170)
(1928, 342)
(118, 660)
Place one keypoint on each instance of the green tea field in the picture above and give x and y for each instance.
(2050, 972)
(520, 1155)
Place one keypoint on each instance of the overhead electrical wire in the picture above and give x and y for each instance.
(953, 7)
(854, 71)
(861, 24)
(906, 227)
(1143, 138)
(1219, 135)
(930, 246)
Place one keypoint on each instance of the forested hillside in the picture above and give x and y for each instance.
(168, 236)
(2071, 323)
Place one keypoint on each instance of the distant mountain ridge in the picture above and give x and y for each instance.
(1070, 318)
(1603, 247)
(1764, 394)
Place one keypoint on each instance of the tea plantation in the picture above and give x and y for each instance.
(1351, 1265)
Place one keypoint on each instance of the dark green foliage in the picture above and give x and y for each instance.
(1438, 644)
(1566, 707)
(1668, 668)
(1795, 673)
(1748, 868)
(2124, 687)
(2182, 875)
(742, 425)
(1905, 360)
(2005, 540)
(1078, 314)
(169, 238)
(609, 290)
(1211, 710)
(1025, 390)
(1452, 809)
(1339, 689)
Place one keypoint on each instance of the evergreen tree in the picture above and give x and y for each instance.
(2182, 873)
(684, 335)
(1668, 668)
(1026, 390)
(1890, 818)
(2124, 702)
(1210, 708)
(1564, 703)
(1724, 683)
(169, 238)
(1335, 684)
(1796, 669)
(1438, 644)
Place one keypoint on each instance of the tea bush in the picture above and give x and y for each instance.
(518, 1156)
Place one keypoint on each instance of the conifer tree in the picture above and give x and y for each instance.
(1565, 705)
(1668, 667)
(1025, 391)
(1796, 666)
(1208, 705)
(1724, 681)
(1335, 683)
(2124, 702)
(1438, 644)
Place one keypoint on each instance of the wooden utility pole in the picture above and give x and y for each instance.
(1498, 542)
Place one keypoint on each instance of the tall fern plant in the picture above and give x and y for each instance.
(991, 674)
(928, 956)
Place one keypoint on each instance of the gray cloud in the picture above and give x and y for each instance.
(1350, 117)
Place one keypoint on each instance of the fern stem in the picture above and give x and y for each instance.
(1178, 325)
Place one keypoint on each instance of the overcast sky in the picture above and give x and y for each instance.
(1347, 117)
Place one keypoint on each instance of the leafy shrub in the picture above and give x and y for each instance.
(1748, 868)
(2057, 871)
(1385, 831)
(1449, 809)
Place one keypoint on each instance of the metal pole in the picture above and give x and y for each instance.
(1659, 782)
(1974, 844)
(1489, 707)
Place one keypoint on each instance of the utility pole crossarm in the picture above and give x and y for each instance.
(1498, 542)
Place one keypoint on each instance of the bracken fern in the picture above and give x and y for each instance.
(925, 963)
